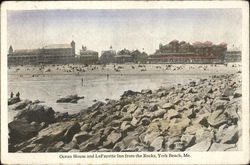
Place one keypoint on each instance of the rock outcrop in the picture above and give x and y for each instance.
(69, 99)
(13, 100)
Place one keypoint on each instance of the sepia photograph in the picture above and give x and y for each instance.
(146, 82)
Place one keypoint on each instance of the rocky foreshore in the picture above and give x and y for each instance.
(198, 116)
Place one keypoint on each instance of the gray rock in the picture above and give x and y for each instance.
(157, 143)
(219, 104)
(37, 113)
(132, 108)
(192, 129)
(149, 137)
(171, 141)
(202, 146)
(61, 116)
(228, 92)
(114, 136)
(119, 146)
(92, 143)
(146, 91)
(129, 93)
(177, 128)
(173, 114)
(104, 150)
(21, 105)
(13, 100)
(85, 127)
(125, 126)
(152, 108)
(127, 118)
(188, 140)
(159, 113)
(167, 106)
(59, 145)
(217, 118)
(95, 107)
(221, 147)
(145, 121)
(237, 94)
(81, 137)
(135, 121)
(228, 135)
(192, 84)
(70, 146)
(69, 99)
(21, 129)
(202, 120)
(115, 123)
(71, 131)
(138, 112)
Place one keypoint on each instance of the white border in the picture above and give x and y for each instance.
(240, 157)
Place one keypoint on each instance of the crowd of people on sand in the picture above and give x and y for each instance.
(78, 69)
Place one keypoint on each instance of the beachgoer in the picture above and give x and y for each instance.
(18, 95)
(11, 95)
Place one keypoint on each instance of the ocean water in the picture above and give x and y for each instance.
(49, 88)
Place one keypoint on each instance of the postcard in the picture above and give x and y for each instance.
(125, 82)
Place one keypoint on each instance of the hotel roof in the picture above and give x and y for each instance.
(58, 46)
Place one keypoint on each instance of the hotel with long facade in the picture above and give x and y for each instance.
(50, 54)
(182, 52)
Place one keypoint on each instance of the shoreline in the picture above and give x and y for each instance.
(197, 116)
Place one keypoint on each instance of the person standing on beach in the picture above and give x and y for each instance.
(11, 95)
(18, 95)
(82, 81)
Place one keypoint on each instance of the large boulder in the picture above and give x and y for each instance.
(178, 126)
(21, 129)
(188, 140)
(159, 113)
(157, 143)
(202, 146)
(217, 118)
(228, 135)
(63, 131)
(173, 114)
(129, 93)
(71, 131)
(37, 113)
(92, 143)
(69, 99)
(150, 137)
(228, 92)
(61, 116)
(221, 147)
(13, 100)
(21, 105)
(219, 104)
(167, 106)
(114, 136)
(146, 91)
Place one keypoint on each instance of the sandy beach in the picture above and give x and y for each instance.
(124, 69)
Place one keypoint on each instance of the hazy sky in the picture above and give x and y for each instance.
(132, 29)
